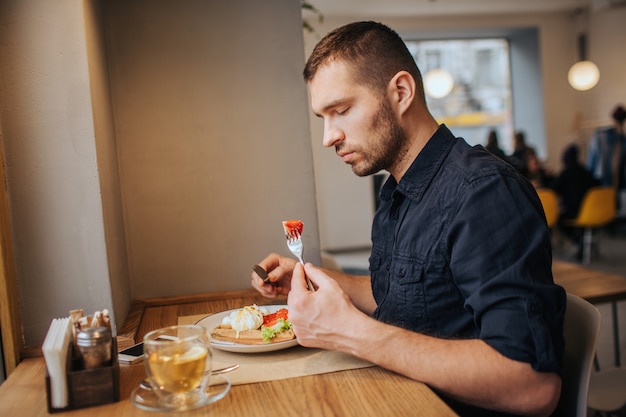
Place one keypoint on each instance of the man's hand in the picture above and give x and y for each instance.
(318, 317)
(279, 270)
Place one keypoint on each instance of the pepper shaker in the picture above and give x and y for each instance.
(94, 345)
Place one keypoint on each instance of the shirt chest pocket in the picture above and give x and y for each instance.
(406, 271)
(406, 302)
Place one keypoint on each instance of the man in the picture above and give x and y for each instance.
(607, 151)
(571, 185)
(461, 294)
(606, 156)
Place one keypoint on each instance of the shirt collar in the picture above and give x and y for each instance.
(422, 170)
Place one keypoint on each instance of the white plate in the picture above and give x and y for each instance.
(212, 321)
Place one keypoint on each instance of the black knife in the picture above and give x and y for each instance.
(261, 272)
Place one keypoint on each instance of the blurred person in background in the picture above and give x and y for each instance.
(520, 148)
(493, 145)
(571, 185)
(535, 171)
(606, 157)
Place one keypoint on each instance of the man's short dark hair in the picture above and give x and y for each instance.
(373, 51)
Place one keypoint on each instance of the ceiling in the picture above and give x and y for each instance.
(399, 8)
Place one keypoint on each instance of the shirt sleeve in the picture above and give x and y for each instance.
(501, 261)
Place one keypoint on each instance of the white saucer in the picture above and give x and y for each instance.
(147, 399)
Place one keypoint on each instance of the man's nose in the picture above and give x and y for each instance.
(332, 135)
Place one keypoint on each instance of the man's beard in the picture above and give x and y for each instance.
(387, 142)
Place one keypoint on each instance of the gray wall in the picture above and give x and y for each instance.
(212, 133)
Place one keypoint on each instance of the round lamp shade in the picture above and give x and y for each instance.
(583, 75)
(438, 83)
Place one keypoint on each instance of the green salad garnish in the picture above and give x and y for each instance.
(268, 333)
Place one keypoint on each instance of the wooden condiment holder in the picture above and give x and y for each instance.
(88, 387)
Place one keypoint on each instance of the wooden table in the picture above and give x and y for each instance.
(361, 392)
(596, 287)
(370, 391)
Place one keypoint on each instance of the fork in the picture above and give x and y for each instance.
(294, 243)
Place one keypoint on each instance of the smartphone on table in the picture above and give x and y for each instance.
(131, 355)
(134, 354)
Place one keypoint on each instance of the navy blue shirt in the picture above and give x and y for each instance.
(461, 249)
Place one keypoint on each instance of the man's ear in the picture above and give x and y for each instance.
(402, 90)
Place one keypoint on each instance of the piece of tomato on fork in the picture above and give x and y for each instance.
(293, 228)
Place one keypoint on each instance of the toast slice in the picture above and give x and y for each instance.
(248, 337)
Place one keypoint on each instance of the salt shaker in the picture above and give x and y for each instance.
(94, 345)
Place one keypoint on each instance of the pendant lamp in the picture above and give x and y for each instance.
(438, 83)
(584, 74)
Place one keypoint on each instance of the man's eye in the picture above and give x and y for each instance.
(342, 110)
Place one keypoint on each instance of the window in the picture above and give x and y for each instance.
(480, 99)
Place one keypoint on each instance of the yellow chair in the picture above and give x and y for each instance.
(550, 203)
(597, 209)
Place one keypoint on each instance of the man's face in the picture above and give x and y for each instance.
(361, 126)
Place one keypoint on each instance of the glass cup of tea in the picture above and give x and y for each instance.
(178, 364)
